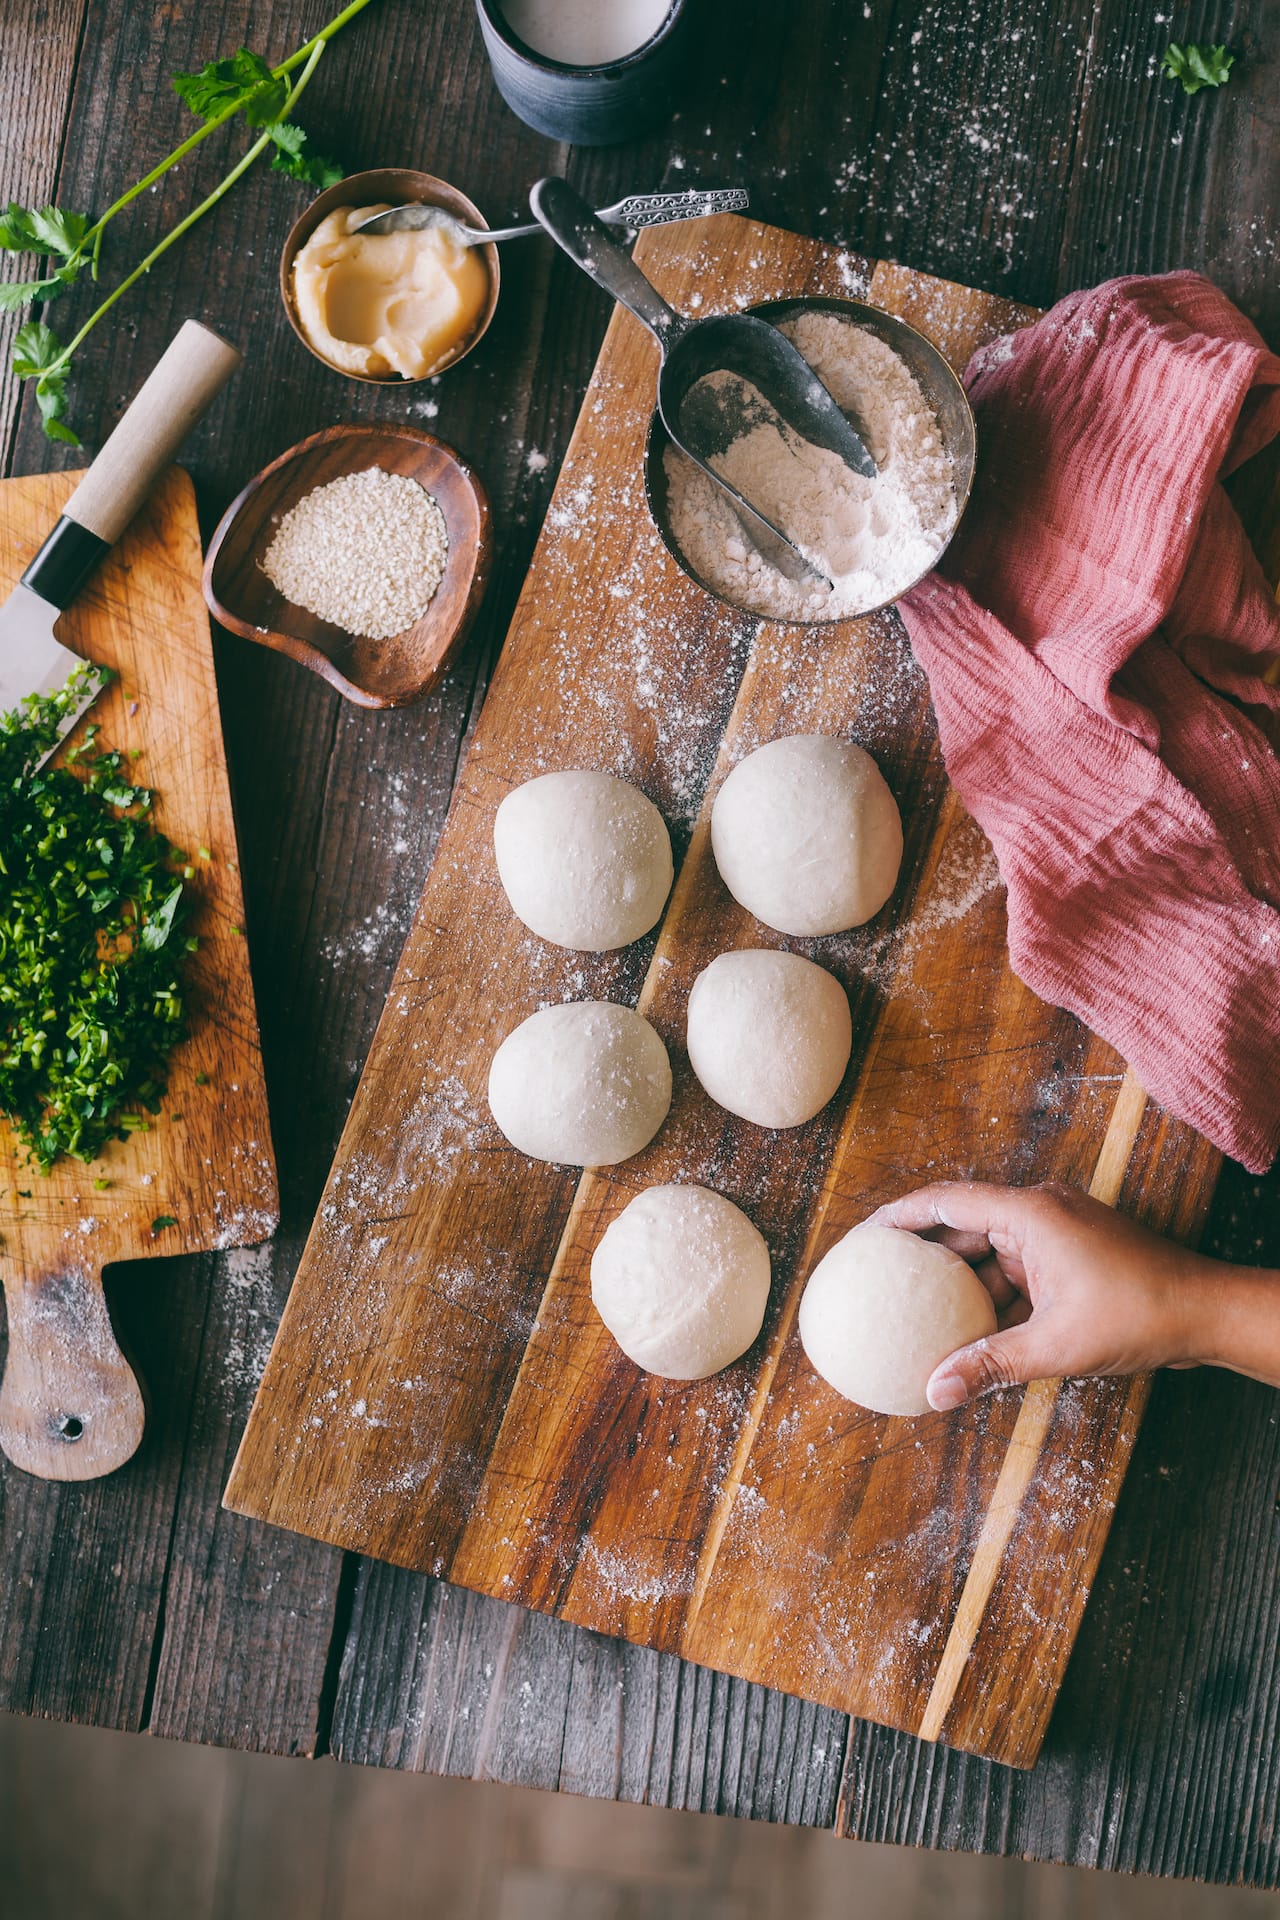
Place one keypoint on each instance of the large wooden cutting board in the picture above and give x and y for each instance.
(441, 1393)
(70, 1407)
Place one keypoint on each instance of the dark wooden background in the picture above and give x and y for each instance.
(1025, 146)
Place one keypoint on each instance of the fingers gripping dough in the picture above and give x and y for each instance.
(882, 1309)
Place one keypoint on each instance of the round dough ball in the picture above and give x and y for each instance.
(807, 836)
(587, 1084)
(769, 1035)
(585, 859)
(882, 1309)
(681, 1280)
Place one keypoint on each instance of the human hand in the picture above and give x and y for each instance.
(1078, 1288)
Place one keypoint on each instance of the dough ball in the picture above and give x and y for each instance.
(585, 859)
(769, 1035)
(882, 1309)
(807, 836)
(681, 1280)
(587, 1084)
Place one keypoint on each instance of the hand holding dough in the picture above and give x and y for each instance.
(882, 1309)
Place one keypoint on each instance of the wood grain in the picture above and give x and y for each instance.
(442, 1394)
(203, 1166)
(135, 1600)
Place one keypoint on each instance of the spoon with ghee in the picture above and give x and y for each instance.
(638, 210)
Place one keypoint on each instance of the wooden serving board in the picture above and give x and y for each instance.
(441, 1393)
(70, 1408)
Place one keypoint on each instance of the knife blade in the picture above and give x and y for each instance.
(33, 661)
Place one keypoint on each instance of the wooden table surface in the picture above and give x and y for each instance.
(1026, 148)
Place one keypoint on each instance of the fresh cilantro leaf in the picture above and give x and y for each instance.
(59, 232)
(43, 230)
(243, 84)
(35, 348)
(289, 137)
(18, 292)
(163, 1220)
(52, 402)
(36, 351)
(17, 230)
(292, 156)
(1197, 66)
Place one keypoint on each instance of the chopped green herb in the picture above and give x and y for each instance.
(202, 1079)
(101, 1185)
(1197, 66)
(163, 1220)
(92, 934)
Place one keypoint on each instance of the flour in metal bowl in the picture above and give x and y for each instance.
(872, 537)
(365, 552)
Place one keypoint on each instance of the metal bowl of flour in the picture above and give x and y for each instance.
(941, 387)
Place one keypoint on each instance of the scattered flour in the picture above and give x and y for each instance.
(874, 537)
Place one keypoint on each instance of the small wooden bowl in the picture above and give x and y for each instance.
(398, 187)
(373, 673)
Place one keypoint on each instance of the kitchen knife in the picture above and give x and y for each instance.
(188, 375)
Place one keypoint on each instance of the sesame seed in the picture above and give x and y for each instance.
(366, 552)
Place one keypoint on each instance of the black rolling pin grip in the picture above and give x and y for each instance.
(64, 562)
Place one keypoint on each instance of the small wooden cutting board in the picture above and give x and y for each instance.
(70, 1407)
(441, 1393)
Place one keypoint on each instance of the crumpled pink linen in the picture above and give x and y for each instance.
(1095, 642)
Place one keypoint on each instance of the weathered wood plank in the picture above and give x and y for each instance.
(1161, 179)
(450, 1682)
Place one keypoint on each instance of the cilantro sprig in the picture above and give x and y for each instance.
(1197, 66)
(245, 87)
(94, 916)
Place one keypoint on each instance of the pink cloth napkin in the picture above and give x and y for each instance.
(1095, 644)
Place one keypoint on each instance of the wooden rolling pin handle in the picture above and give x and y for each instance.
(193, 369)
(70, 1405)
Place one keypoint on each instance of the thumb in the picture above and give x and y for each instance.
(1004, 1359)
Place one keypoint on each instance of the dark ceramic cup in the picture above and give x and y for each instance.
(589, 106)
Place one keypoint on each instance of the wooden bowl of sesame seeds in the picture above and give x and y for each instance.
(353, 533)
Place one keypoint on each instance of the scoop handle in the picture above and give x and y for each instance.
(70, 1406)
(589, 244)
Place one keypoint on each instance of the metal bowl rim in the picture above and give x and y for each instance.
(782, 308)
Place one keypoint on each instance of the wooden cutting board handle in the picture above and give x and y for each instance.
(70, 1406)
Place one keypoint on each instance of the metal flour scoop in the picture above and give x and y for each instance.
(734, 343)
